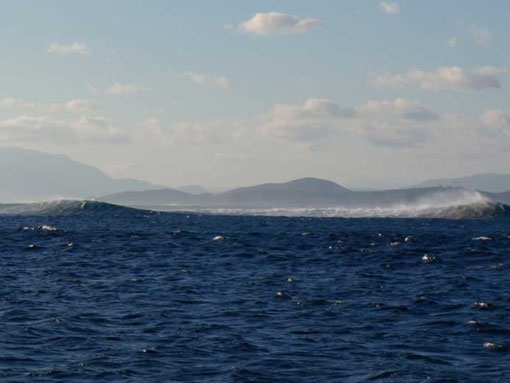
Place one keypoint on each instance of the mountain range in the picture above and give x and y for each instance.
(306, 193)
(30, 175)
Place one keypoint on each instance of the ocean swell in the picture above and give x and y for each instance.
(67, 207)
(460, 204)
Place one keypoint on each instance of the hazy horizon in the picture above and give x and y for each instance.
(369, 94)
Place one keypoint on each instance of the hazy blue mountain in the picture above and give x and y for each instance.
(302, 193)
(306, 191)
(304, 185)
(490, 182)
(30, 175)
(131, 184)
(192, 189)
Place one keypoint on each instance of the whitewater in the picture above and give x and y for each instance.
(447, 204)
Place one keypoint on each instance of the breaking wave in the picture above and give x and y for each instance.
(67, 207)
(461, 204)
(472, 211)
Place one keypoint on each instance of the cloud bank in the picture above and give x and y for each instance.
(397, 123)
(74, 105)
(45, 129)
(487, 77)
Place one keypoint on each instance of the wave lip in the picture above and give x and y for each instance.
(67, 207)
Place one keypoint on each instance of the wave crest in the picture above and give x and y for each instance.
(66, 207)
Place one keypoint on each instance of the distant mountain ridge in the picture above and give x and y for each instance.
(30, 175)
(192, 189)
(299, 192)
(487, 182)
(305, 193)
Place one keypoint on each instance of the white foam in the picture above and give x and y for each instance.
(431, 205)
(482, 238)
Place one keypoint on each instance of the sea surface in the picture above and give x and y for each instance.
(167, 297)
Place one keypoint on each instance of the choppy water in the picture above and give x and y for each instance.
(154, 298)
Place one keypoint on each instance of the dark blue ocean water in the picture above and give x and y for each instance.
(153, 298)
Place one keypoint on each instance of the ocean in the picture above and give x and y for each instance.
(131, 296)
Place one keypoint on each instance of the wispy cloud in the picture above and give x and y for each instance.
(481, 35)
(63, 49)
(446, 78)
(30, 129)
(278, 23)
(452, 41)
(399, 124)
(118, 88)
(496, 118)
(78, 105)
(74, 105)
(200, 78)
(400, 108)
(188, 133)
(389, 7)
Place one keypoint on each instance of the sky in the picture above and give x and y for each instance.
(225, 93)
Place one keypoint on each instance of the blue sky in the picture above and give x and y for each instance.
(224, 93)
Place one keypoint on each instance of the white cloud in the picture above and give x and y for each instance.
(480, 34)
(446, 78)
(29, 129)
(400, 108)
(63, 49)
(399, 123)
(203, 79)
(389, 7)
(310, 123)
(78, 105)
(496, 118)
(313, 108)
(75, 105)
(197, 77)
(126, 89)
(452, 41)
(278, 23)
